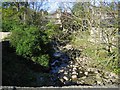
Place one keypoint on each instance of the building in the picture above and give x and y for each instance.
(55, 17)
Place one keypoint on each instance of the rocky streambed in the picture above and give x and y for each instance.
(71, 69)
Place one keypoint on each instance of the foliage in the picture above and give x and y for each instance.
(79, 9)
(51, 30)
(31, 31)
(42, 59)
(104, 53)
(100, 57)
(7, 22)
(32, 34)
(30, 42)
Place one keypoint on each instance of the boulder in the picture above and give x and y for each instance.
(61, 71)
(68, 46)
(65, 78)
(65, 73)
(74, 68)
(74, 77)
(74, 73)
(86, 73)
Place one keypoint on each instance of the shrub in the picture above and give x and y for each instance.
(31, 43)
(8, 25)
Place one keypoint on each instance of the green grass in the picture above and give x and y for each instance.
(100, 57)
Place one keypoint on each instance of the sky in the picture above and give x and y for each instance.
(54, 4)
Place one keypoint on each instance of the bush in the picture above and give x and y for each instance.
(8, 25)
(42, 59)
(31, 43)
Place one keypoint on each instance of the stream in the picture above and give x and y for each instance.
(65, 70)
